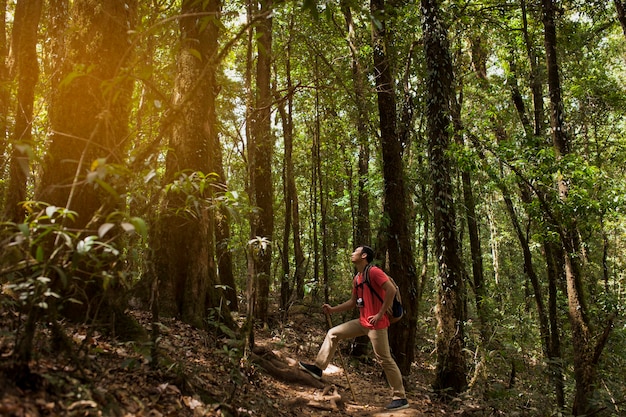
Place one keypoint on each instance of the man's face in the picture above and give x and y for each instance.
(357, 255)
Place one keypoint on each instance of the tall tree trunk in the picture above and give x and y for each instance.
(89, 129)
(536, 83)
(185, 251)
(80, 135)
(320, 188)
(290, 289)
(362, 229)
(251, 12)
(5, 92)
(548, 326)
(222, 261)
(535, 140)
(586, 355)
(478, 276)
(401, 263)
(263, 152)
(298, 253)
(285, 283)
(451, 366)
(24, 55)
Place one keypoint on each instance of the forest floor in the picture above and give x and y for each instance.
(204, 375)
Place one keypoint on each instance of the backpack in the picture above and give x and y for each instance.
(396, 311)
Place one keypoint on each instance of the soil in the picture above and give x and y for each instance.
(202, 374)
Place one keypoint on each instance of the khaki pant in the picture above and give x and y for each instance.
(380, 344)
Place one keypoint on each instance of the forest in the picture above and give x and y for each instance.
(183, 182)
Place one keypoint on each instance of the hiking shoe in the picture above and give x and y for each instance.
(312, 369)
(398, 404)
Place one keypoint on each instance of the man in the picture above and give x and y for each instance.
(372, 322)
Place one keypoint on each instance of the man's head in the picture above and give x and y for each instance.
(363, 252)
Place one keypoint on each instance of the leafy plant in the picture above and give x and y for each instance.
(45, 264)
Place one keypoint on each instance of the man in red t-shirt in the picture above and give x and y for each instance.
(372, 322)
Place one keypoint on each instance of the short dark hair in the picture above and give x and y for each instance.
(369, 252)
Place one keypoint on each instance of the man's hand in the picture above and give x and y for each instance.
(374, 319)
(327, 308)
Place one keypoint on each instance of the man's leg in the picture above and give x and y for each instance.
(347, 330)
(380, 344)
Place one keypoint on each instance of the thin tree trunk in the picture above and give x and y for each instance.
(290, 289)
(535, 139)
(362, 232)
(362, 229)
(251, 285)
(320, 190)
(555, 366)
(5, 92)
(536, 84)
(263, 151)
(585, 354)
(469, 203)
(552, 337)
(285, 282)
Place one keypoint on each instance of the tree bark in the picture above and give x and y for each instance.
(535, 140)
(185, 252)
(290, 289)
(362, 229)
(80, 135)
(585, 354)
(263, 151)
(478, 276)
(400, 252)
(5, 90)
(24, 55)
(621, 14)
(451, 366)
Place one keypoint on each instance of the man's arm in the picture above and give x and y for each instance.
(390, 293)
(347, 305)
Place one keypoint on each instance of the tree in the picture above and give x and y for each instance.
(89, 110)
(451, 366)
(533, 134)
(586, 353)
(5, 91)
(185, 241)
(263, 225)
(290, 289)
(398, 241)
(26, 66)
(362, 230)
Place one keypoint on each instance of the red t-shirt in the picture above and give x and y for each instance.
(371, 303)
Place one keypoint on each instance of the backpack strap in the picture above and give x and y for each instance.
(366, 280)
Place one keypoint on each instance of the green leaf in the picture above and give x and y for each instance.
(108, 188)
(24, 229)
(140, 226)
(39, 254)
